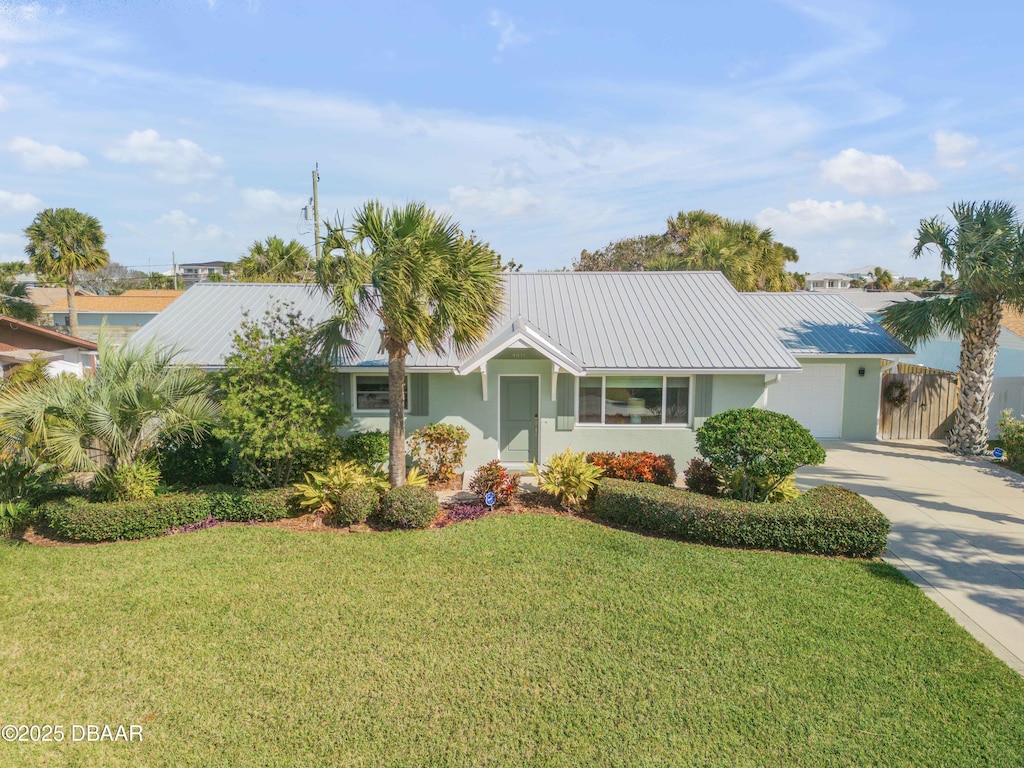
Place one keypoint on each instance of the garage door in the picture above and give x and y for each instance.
(813, 396)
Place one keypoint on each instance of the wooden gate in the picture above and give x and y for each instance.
(929, 408)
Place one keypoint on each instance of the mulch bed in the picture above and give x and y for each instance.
(526, 502)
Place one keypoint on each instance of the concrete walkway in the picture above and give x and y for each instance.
(957, 529)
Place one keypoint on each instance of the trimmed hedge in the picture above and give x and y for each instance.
(828, 520)
(77, 519)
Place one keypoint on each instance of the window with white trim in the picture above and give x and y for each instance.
(634, 400)
(371, 392)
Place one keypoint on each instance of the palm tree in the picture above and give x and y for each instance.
(14, 300)
(62, 241)
(274, 261)
(984, 248)
(428, 285)
(136, 398)
(883, 280)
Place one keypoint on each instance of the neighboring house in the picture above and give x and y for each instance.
(867, 274)
(123, 315)
(596, 361)
(195, 273)
(826, 281)
(21, 341)
(943, 352)
(45, 296)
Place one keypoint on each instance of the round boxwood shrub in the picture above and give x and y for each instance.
(756, 450)
(354, 506)
(409, 507)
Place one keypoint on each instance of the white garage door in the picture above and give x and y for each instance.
(813, 396)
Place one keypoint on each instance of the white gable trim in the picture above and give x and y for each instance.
(518, 334)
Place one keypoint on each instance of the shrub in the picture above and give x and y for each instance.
(756, 449)
(208, 461)
(461, 513)
(827, 520)
(23, 481)
(14, 515)
(409, 507)
(127, 482)
(568, 477)
(638, 466)
(439, 449)
(1011, 435)
(701, 478)
(241, 505)
(280, 412)
(353, 506)
(494, 477)
(81, 520)
(370, 449)
(321, 491)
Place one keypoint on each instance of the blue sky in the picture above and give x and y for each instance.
(193, 127)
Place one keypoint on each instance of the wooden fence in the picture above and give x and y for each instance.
(929, 407)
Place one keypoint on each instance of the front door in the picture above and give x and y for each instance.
(520, 402)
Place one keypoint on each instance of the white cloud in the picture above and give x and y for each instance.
(45, 157)
(3, 61)
(500, 201)
(177, 162)
(508, 34)
(188, 227)
(198, 198)
(805, 216)
(953, 149)
(866, 174)
(269, 201)
(11, 202)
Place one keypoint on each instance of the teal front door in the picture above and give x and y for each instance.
(518, 427)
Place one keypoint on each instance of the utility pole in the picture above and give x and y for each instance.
(316, 213)
(174, 269)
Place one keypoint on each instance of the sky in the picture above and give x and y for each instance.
(193, 128)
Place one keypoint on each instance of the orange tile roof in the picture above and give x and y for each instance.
(1013, 320)
(123, 303)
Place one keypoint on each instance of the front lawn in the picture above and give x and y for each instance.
(520, 640)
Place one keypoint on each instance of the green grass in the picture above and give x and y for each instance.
(525, 640)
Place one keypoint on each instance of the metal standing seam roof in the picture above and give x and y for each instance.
(685, 321)
(811, 323)
(202, 322)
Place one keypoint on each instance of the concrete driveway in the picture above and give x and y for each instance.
(957, 529)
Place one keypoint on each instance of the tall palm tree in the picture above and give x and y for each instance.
(136, 398)
(274, 261)
(14, 300)
(427, 284)
(984, 248)
(62, 241)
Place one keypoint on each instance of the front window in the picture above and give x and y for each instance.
(634, 400)
(372, 393)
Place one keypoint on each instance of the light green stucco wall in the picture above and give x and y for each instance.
(458, 400)
(861, 399)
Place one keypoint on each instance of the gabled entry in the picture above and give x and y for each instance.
(519, 413)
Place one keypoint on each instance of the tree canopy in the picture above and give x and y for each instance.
(427, 284)
(984, 250)
(61, 242)
(275, 261)
(749, 256)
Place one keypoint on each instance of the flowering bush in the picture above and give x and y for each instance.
(637, 466)
(439, 449)
(1011, 434)
(493, 477)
